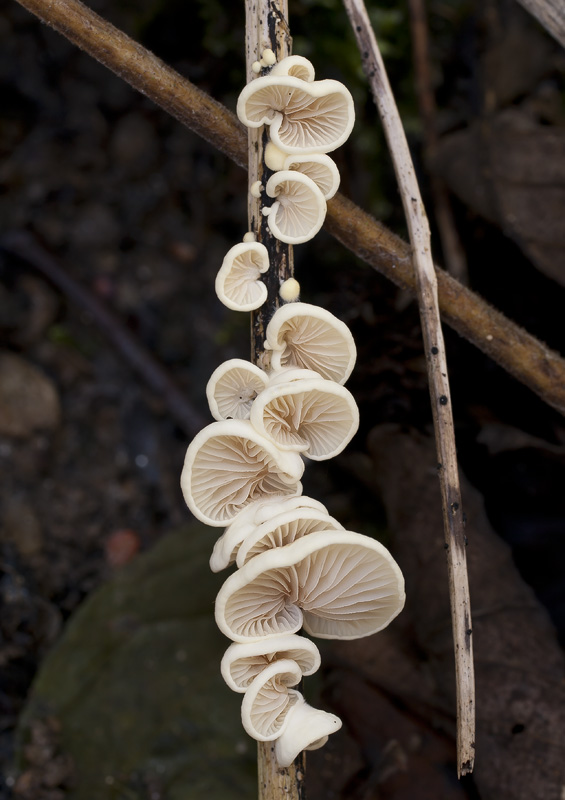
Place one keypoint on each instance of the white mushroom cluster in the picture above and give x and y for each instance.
(296, 566)
(306, 119)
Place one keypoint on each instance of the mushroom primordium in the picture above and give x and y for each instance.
(296, 566)
(309, 337)
(238, 282)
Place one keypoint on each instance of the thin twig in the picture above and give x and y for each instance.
(551, 14)
(24, 247)
(453, 253)
(438, 381)
(518, 352)
(266, 27)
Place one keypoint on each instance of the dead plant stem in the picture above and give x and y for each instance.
(266, 27)
(437, 376)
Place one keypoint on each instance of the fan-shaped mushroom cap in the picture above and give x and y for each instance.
(295, 67)
(315, 417)
(268, 700)
(284, 529)
(243, 662)
(342, 586)
(309, 337)
(237, 283)
(233, 387)
(305, 728)
(317, 166)
(254, 514)
(304, 117)
(229, 465)
(291, 374)
(299, 209)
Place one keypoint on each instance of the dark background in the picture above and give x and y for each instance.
(140, 212)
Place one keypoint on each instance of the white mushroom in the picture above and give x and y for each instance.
(238, 283)
(304, 117)
(226, 547)
(268, 700)
(305, 728)
(342, 586)
(309, 337)
(284, 529)
(299, 209)
(317, 166)
(315, 417)
(295, 67)
(228, 465)
(289, 290)
(233, 387)
(243, 662)
(268, 713)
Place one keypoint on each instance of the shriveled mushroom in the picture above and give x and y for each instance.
(228, 465)
(283, 529)
(315, 417)
(233, 387)
(226, 547)
(304, 117)
(238, 283)
(339, 586)
(243, 662)
(305, 728)
(306, 336)
(299, 209)
(295, 67)
(317, 166)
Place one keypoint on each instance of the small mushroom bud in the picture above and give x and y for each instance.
(256, 188)
(290, 290)
(268, 58)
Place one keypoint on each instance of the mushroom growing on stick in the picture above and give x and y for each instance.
(343, 586)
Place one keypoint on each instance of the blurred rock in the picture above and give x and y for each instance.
(28, 398)
(135, 686)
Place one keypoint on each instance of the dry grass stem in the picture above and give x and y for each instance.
(551, 14)
(438, 381)
(266, 26)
